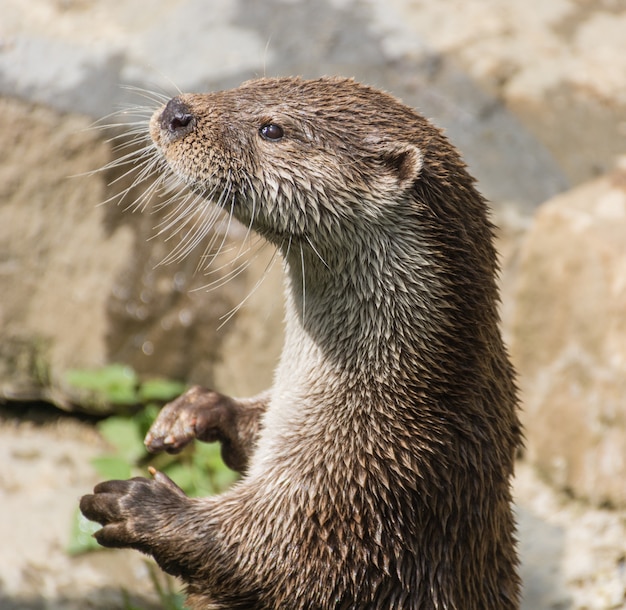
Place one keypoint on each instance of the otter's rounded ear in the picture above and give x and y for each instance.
(405, 162)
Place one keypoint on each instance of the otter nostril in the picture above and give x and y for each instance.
(180, 121)
(176, 117)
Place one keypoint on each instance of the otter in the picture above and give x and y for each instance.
(376, 471)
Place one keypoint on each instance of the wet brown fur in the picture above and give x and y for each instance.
(378, 467)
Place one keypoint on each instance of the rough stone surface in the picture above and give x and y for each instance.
(559, 65)
(45, 470)
(573, 556)
(569, 339)
(52, 280)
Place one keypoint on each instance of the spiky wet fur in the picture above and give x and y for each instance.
(381, 476)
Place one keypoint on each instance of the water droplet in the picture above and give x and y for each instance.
(120, 292)
(185, 316)
(179, 280)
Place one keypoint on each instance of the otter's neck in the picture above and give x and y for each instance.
(369, 307)
(402, 300)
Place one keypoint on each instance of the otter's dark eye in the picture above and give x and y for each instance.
(272, 132)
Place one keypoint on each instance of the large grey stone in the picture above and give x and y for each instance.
(569, 340)
(560, 66)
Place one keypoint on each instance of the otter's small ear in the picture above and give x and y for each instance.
(405, 162)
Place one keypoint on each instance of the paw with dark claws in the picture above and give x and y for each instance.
(197, 414)
(132, 513)
(207, 416)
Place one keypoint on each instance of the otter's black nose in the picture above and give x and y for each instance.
(177, 118)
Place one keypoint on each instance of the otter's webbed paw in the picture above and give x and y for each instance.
(134, 513)
(204, 415)
(198, 413)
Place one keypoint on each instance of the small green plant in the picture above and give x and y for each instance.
(198, 469)
(102, 390)
(165, 587)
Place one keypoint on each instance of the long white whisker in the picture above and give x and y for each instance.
(212, 269)
(227, 277)
(237, 269)
(125, 159)
(195, 219)
(196, 233)
(194, 208)
(215, 269)
(229, 315)
(303, 285)
(316, 252)
(252, 214)
(230, 219)
(151, 96)
(142, 201)
(219, 208)
(288, 248)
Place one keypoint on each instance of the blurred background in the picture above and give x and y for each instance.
(533, 93)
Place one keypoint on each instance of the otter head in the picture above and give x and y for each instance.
(292, 158)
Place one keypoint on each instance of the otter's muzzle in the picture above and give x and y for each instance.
(176, 118)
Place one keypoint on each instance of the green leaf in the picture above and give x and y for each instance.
(213, 476)
(182, 475)
(112, 467)
(114, 384)
(169, 596)
(81, 535)
(160, 390)
(224, 478)
(208, 455)
(125, 436)
(145, 417)
(128, 604)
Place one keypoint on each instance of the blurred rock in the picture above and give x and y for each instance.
(82, 284)
(569, 339)
(57, 261)
(560, 66)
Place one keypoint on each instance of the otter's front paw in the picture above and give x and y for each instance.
(133, 512)
(198, 414)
